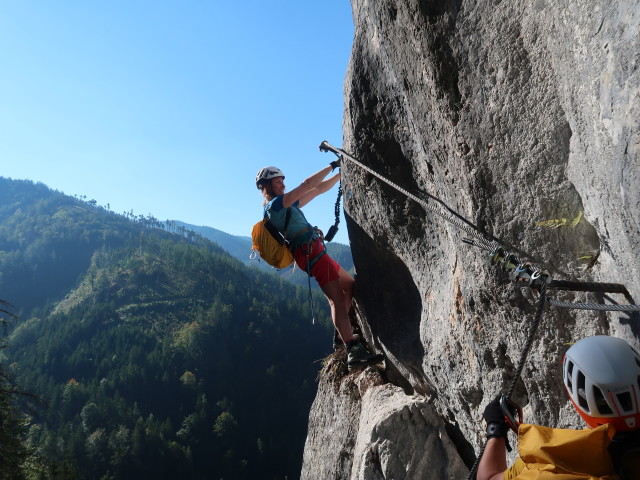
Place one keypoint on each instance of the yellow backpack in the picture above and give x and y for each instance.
(558, 454)
(270, 244)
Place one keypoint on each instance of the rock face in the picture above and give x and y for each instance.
(364, 427)
(512, 113)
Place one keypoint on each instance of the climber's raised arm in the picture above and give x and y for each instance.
(324, 186)
(306, 188)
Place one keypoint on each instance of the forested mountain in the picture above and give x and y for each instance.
(157, 354)
(238, 246)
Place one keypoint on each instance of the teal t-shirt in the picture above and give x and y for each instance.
(276, 213)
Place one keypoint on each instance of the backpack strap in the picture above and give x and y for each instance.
(281, 237)
(287, 217)
(625, 454)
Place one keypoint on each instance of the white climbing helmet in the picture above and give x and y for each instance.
(602, 376)
(267, 173)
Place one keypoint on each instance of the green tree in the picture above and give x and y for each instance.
(152, 349)
(225, 424)
(14, 453)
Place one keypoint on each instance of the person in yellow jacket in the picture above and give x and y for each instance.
(602, 377)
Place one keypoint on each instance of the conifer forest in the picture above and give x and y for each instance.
(135, 348)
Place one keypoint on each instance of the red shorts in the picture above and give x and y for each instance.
(325, 269)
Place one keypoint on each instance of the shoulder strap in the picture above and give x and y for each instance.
(287, 217)
(281, 237)
(625, 454)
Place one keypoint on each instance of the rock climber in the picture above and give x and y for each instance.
(309, 251)
(601, 374)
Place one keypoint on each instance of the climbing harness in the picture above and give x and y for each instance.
(523, 273)
(310, 264)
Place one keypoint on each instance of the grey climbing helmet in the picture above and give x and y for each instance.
(267, 173)
(602, 376)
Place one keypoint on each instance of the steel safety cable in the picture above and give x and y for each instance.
(450, 215)
(492, 245)
(533, 328)
(594, 306)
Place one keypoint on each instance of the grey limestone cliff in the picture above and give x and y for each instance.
(513, 113)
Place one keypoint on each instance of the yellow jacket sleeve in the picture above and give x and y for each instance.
(559, 454)
(515, 469)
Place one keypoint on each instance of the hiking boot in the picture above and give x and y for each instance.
(358, 355)
(337, 340)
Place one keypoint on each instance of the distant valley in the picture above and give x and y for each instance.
(156, 351)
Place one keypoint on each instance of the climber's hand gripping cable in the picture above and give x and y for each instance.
(499, 415)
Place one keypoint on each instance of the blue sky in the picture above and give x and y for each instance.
(170, 108)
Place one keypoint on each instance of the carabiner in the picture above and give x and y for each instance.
(509, 407)
(523, 272)
(538, 278)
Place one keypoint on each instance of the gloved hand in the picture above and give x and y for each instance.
(493, 412)
(496, 424)
(335, 164)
